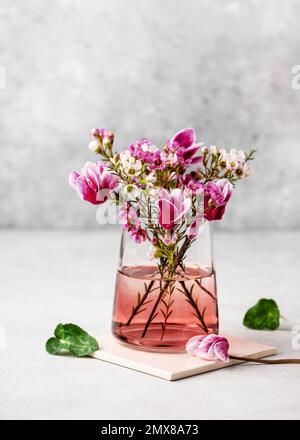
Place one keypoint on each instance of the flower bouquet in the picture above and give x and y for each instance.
(166, 285)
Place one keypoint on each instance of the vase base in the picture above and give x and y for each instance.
(172, 341)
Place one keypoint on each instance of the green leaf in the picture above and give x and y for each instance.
(54, 346)
(265, 315)
(72, 338)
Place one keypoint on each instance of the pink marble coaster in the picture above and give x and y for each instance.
(175, 366)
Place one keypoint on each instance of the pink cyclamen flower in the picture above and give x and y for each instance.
(172, 207)
(183, 144)
(94, 183)
(216, 196)
(211, 347)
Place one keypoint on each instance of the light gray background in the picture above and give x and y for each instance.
(147, 68)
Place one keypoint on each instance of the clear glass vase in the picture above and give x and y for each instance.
(161, 312)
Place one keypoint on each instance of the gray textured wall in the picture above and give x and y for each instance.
(146, 68)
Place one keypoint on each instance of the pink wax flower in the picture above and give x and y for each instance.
(94, 183)
(143, 150)
(170, 239)
(172, 207)
(195, 186)
(138, 234)
(183, 144)
(129, 216)
(132, 223)
(216, 196)
(157, 161)
(211, 347)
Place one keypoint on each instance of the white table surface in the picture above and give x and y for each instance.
(52, 277)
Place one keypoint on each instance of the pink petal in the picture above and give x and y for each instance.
(189, 152)
(211, 355)
(217, 213)
(221, 350)
(166, 214)
(192, 346)
(228, 192)
(218, 348)
(101, 166)
(85, 192)
(197, 159)
(108, 180)
(102, 195)
(164, 194)
(225, 188)
(205, 347)
(185, 206)
(184, 138)
(177, 198)
(73, 176)
(93, 175)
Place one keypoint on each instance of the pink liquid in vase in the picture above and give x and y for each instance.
(162, 314)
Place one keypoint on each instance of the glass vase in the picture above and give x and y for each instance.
(161, 312)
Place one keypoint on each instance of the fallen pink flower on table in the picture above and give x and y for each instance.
(211, 347)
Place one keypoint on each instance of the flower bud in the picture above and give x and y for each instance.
(204, 150)
(109, 134)
(116, 158)
(95, 132)
(95, 146)
(239, 172)
(106, 142)
(129, 188)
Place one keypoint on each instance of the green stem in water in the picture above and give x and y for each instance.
(189, 296)
(140, 303)
(167, 313)
(151, 317)
(177, 262)
(205, 290)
